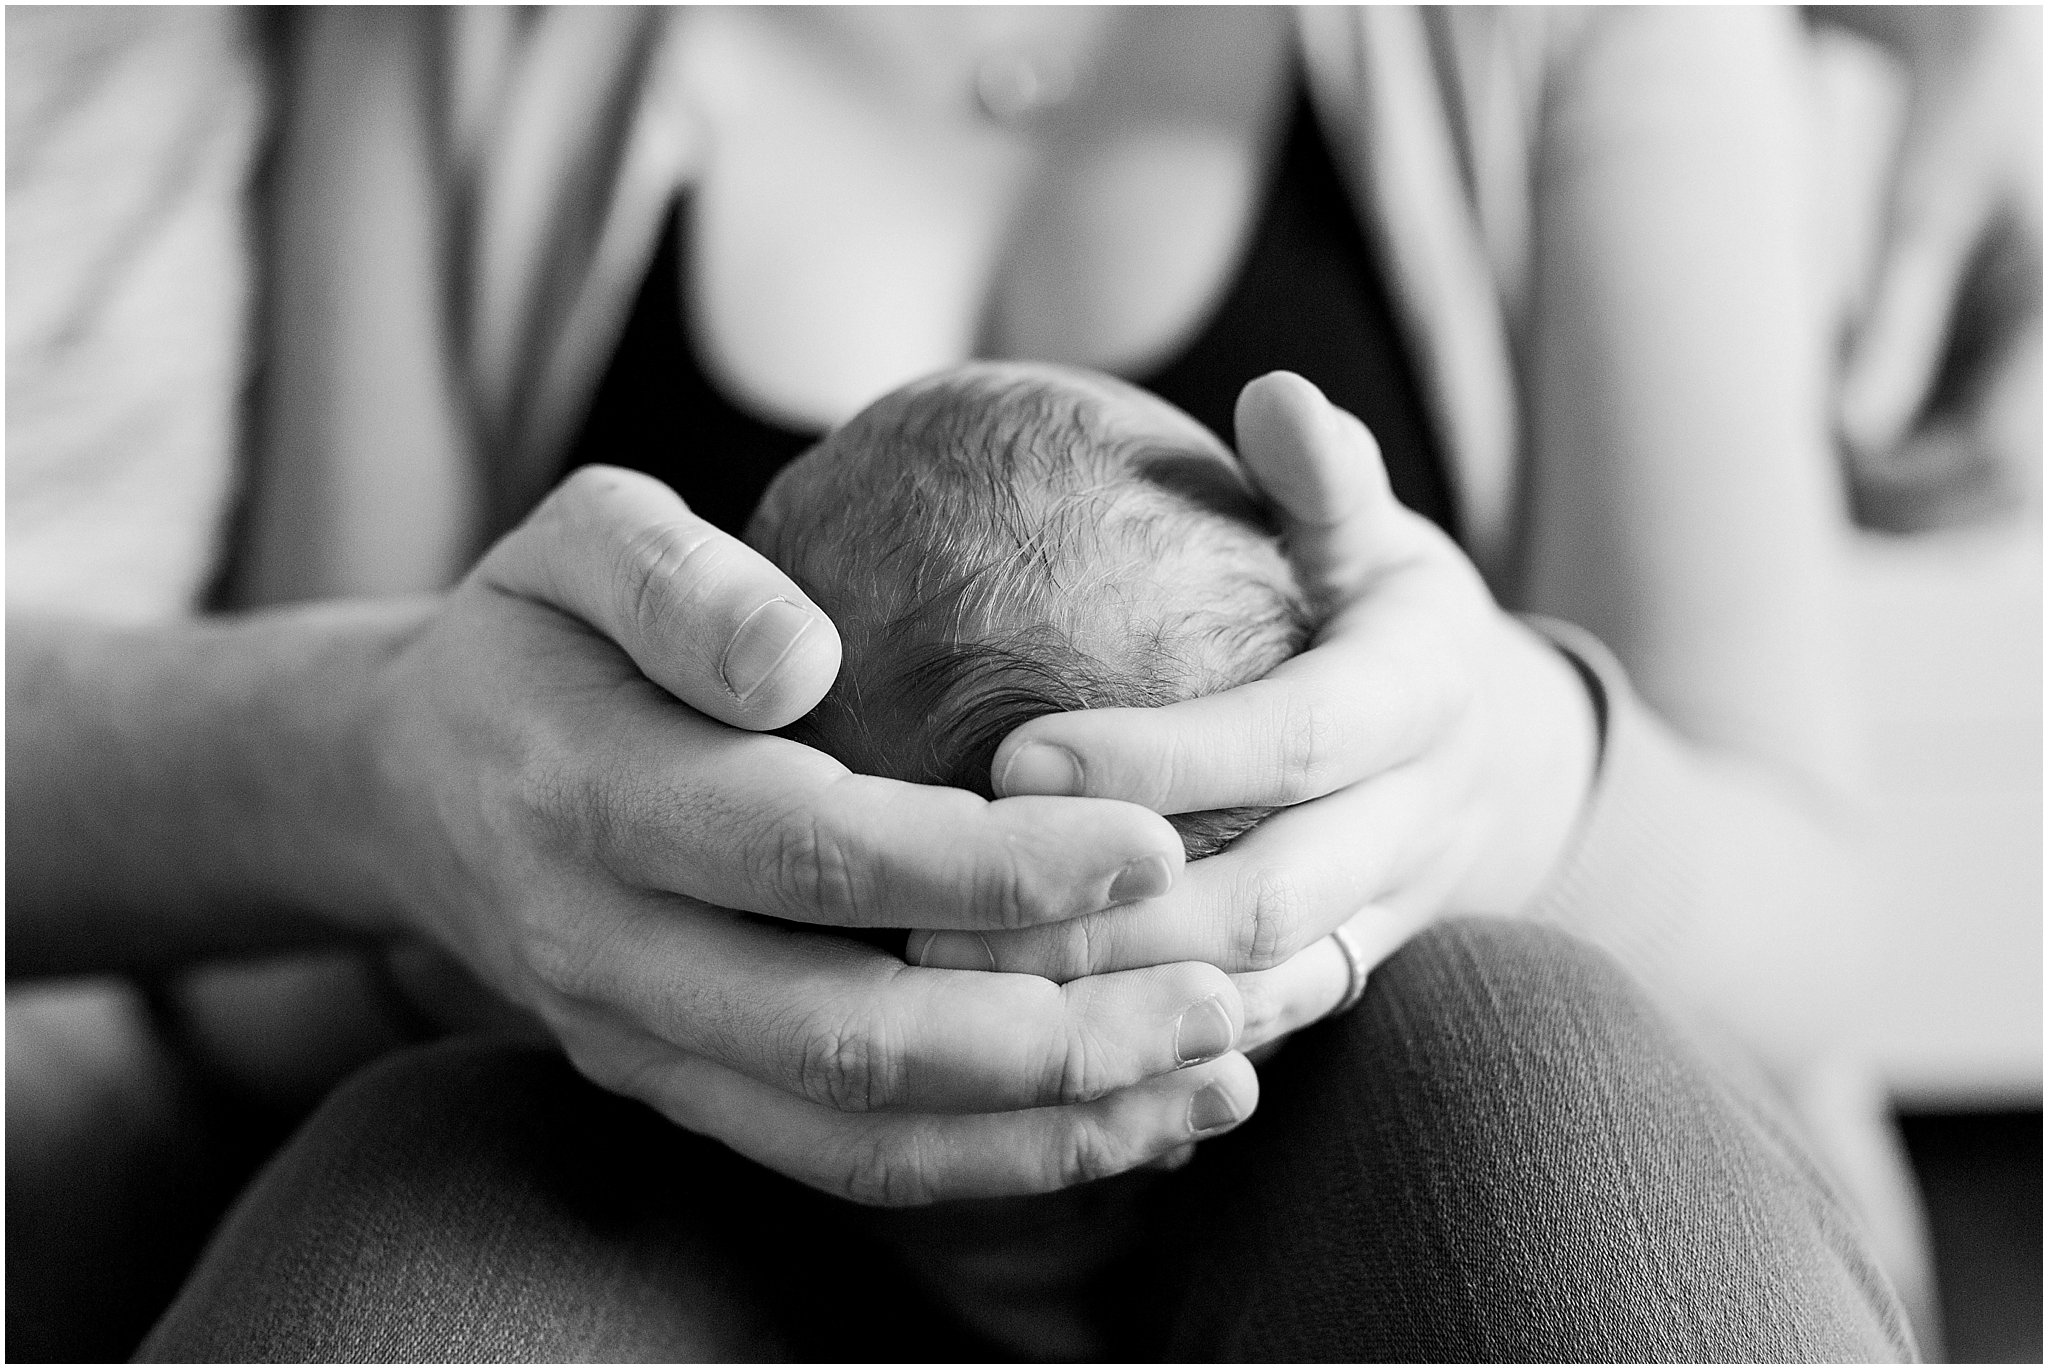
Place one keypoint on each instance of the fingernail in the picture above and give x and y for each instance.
(1210, 1110)
(1203, 1032)
(1037, 768)
(952, 951)
(768, 635)
(1145, 877)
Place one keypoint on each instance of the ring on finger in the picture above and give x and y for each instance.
(1355, 968)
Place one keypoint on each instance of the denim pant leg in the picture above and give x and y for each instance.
(1506, 1153)
(477, 1200)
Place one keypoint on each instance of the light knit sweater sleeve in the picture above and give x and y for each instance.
(1725, 888)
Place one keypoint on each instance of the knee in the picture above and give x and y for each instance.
(444, 1144)
(1520, 968)
(473, 1199)
(1538, 1063)
(1515, 1014)
(1517, 1123)
(1507, 1006)
(413, 1105)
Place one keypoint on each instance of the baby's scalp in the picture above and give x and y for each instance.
(1005, 540)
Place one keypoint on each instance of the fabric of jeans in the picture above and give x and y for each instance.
(1506, 1153)
(1503, 1154)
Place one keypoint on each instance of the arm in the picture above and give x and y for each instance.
(185, 790)
(511, 769)
(1684, 511)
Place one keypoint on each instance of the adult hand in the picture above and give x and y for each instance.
(578, 836)
(1431, 751)
(1942, 384)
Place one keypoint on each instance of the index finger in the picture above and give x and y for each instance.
(907, 1159)
(855, 1029)
(771, 826)
(1352, 706)
(1275, 891)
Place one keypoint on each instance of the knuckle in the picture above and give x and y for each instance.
(573, 805)
(1066, 951)
(811, 868)
(556, 963)
(1004, 893)
(846, 1065)
(569, 962)
(651, 565)
(1088, 1152)
(556, 808)
(886, 1170)
(1304, 751)
(1084, 1068)
(1268, 922)
(1184, 760)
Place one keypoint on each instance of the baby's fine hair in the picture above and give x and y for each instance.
(994, 548)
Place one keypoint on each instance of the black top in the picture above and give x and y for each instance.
(1306, 299)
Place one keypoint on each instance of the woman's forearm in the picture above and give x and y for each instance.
(195, 788)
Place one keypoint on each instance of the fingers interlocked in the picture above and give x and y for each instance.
(893, 1084)
(905, 1159)
(850, 1028)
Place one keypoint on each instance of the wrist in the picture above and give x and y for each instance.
(338, 843)
(285, 738)
(1547, 744)
(192, 789)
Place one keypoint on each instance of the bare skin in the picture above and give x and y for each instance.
(902, 231)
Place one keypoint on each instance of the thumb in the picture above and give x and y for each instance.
(1321, 468)
(702, 614)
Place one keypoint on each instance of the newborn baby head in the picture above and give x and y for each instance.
(1006, 540)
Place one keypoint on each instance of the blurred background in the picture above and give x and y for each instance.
(1945, 606)
(1948, 642)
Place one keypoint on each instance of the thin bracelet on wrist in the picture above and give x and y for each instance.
(1583, 650)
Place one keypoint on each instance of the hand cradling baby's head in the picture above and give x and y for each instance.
(1006, 540)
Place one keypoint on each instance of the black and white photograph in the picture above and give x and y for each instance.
(982, 683)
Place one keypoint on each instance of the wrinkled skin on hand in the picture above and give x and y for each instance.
(586, 810)
(1431, 753)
